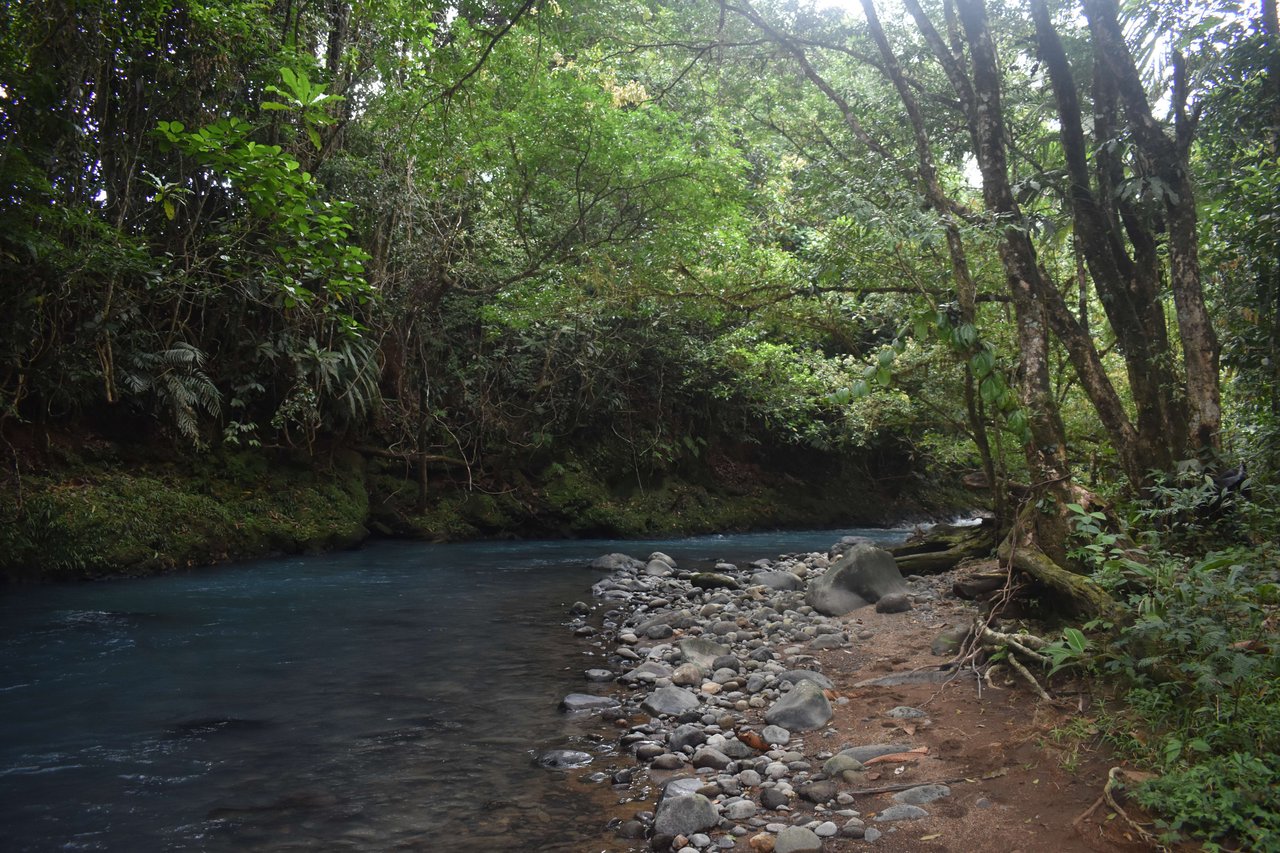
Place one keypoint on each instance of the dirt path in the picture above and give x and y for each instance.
(1018, 779)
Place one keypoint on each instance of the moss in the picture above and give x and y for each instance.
(95, 519)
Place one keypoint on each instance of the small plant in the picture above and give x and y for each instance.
(1069, 651)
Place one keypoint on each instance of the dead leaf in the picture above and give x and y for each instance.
(936, 835)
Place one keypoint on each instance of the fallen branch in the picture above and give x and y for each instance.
(904, 786)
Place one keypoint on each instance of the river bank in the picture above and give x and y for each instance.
(751, 721)
(96, 509)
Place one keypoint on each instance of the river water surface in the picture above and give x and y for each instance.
(391, 697)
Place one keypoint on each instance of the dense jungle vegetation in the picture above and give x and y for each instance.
(447, 267)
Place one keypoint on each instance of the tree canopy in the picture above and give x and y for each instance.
(1036, 239)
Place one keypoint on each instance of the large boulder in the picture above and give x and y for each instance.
(861, 577)
(805, 707)
(779, 581)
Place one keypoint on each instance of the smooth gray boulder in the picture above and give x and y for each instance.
(650, 670)
(802, 709)
(863, 576)
(701, 652)
(689, 734)
(797, 839)
(669, 700)
(684, 815)
(616, 562)
(780, 581)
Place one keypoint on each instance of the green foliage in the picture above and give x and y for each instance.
(1201, 671)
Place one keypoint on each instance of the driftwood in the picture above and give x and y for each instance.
(940, 548)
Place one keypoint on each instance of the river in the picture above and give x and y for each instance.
(391, 697)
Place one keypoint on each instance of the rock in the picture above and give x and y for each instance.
(838, 765)
(797, 839)
(631, 829)
(902, 712)
(713, 580)
(658, 555)
(762, 843)
(894, 602)
(922, 795)
(819, 792)
(687, 735)
(950, 641)
(670, 700)
(797, 675)
(687, 675)
(871, 834)
(713, 758)
(862, 576)
(779, 581)
(836, 641)
(826, 829)
(649, 751)
(702, 652)
(772, 798)
(650, 671)
(775, 735)
(564, 759)
(740, 810)
(803, 709)
(668, 761)
(901, 812)
(587, 702)
(684, 815)
(658, 569)
(598, 675)
(682, 787)
(579, 608)
(616, 562)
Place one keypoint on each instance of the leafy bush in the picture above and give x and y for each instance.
(1201, 662)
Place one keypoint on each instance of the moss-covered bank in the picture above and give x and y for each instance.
(116, 511)
(102, 516)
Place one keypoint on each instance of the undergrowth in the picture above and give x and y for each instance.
(1198, 664)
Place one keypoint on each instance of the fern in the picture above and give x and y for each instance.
(177, 385)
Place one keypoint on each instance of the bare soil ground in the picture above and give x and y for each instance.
(1021, 777)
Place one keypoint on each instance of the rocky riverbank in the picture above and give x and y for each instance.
(806, 704)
